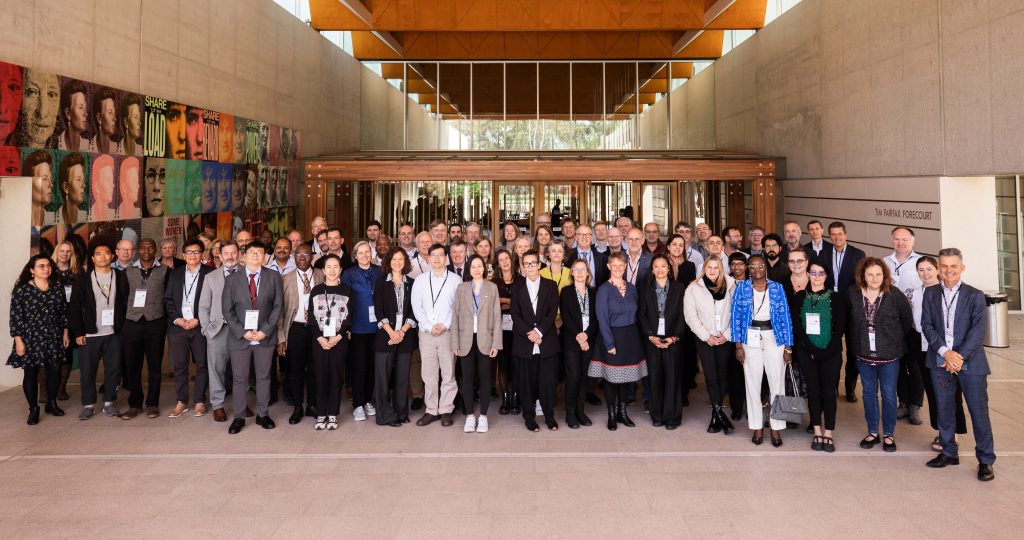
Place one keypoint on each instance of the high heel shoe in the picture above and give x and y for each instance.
(622, 416)
(33, 416)
(776, 442)
(716, 424)
(53, 409)
(612, 424)
(723, 420)
(758, 437)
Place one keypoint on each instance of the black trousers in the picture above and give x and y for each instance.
(299, 379)
(737, 382)
(508, 370)
(109, 349)
(391, 385)
(821, 373)
(330, 367)
(666, 380)
(473, 362)
(910, 383)
(851, 365)
(688, 350)
(359, 368)
(30, 383)
(576, 364)
(143, 340)
(920, 357)
(716, 362)
(537, 377)
(185, 345)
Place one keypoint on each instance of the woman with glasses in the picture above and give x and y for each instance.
(819, 319)
(880, 319)
(361, 279)
(797, 279)
(762, 330)
(39, 328)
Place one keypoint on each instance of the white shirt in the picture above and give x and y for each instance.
(633, 266)
(190, 291)
(817, 246)
(300, 314)
(904, 275)
(916, 297)
(950, 296)
(433, 299)
(696, 258)
(533, 288)
(288, 266)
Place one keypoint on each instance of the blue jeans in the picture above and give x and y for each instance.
(871, 378)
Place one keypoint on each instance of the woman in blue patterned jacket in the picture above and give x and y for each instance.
(762, 330)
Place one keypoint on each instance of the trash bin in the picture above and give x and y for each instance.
(997, 319)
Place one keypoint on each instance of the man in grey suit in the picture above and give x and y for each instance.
(211, 324)
(252, 305)
(953, 322)
(638, 259)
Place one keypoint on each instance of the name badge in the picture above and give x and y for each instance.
(186, 312)
(949, 341)
(661, 326)
(107, 317)
(813, 324)
(140, 298)
(871, 341)
(252, 319)
(67, 293)
(475, 323)
(398, 321)
(924, 344)
(373, 315)
(754, 337)
(506, 322)
(331, 329)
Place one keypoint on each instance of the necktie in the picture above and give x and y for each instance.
(252, 289)
(305, 283)
(459, 270)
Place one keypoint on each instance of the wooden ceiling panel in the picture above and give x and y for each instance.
(708, 45)
(743, 15)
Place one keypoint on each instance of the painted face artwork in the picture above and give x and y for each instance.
(194, 134)
(10, 98)
(176, 122)
(155, 185)
(224, 188)
(40, 102)
(128, 189)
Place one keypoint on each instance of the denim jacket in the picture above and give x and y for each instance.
(743, 313)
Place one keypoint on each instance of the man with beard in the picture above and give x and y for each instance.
(732, 238)
(703, 233)
(778, 269)
(791, 233)
(282, 263)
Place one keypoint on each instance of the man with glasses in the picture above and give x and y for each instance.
(535, 345)
(716, 248)
(213, 327)
(597, 261)
(778, 269)
(184, 338)
(615, 241)
(295, 336)
(791, 233)
(638, 261)
(125, 253)
(433, 297)
(756, 237)
(652, 232)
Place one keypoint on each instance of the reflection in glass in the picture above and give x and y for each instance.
(609, 200)
(562, 201)
(416, 203)
(470, 201)
(515, 203)
(656, 206)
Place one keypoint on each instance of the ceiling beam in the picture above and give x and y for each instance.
(363, 14)
(685, 41)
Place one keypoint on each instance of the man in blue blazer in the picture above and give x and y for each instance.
(840, 262)
(953, 321)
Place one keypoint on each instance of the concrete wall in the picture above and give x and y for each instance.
(244, 57)
(382, 118)
(16, 221)
(693, 116)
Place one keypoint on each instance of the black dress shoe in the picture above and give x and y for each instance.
(396, 423)
(296, 416)
(311, 411)
(417, 404)
(446, 419)
(265, 422)
(942, 460)
(552, 424)
(236, 426)
(776, 442)
(851, 397)
(985, 473)
(758, 437)
(737, 415)
(583, 418)
(671, 427)
(33, 416)
(53, 409)
(657, 422)
(427, 419)
(810, 429)
(531, 425)
(572, 422)
(506, 404)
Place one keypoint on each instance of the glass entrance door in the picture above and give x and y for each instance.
(658, 205)
(564, 201)
(515, 203)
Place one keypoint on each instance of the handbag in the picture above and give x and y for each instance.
(789, 408)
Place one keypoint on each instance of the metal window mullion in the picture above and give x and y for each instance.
(668, 103)
(472, 126)
(636, 101)
(405, 106)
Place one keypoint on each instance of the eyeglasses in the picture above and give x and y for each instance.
(303, 255)
(798, 261)
(817, 273)
(192, 252)
(756, 266)
(531, 263)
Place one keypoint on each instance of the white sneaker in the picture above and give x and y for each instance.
(321, 423)
(539, 411)
(481, 424)
(359, 414)
(332, 422)
(470, 424)
(370, 411)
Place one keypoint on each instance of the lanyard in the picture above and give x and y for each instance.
(815, 298)
(632, 270)
(898, 266)
(419, 262)
(950, 305)
(476, 300)
(763, 299)
(105, 291)
(871, 310)
(533, 298)
(189, 289)
(584, 301)
(433, 299)
(663, 297)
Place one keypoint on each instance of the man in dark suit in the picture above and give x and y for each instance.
(597, 261)
(295, 337)
(638, 260)
(184, 337)
(457, 256)
(953, 322)
(535, 344)
(841, 263)
(252, 305)
(818, 248)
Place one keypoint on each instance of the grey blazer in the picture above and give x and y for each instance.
(211, 312)
(236, 302)
(290, 286)
(488, 322)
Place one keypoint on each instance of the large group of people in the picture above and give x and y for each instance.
(450, 319)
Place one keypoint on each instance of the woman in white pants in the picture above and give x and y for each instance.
(762, 330)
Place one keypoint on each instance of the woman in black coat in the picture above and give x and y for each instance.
(819, 320)
(395, 340)
(660, 315)
(579, 339)
(684, 272)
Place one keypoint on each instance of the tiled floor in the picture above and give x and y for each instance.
(187, 477)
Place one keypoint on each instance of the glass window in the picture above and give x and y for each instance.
(488, 106)
(609, 200)
(656, 207)
(1007, 241)
(470, 201)
(620, 105)
(521, 107)
(417, 203)
(515, 203)
(555, 128)
(562, 201)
